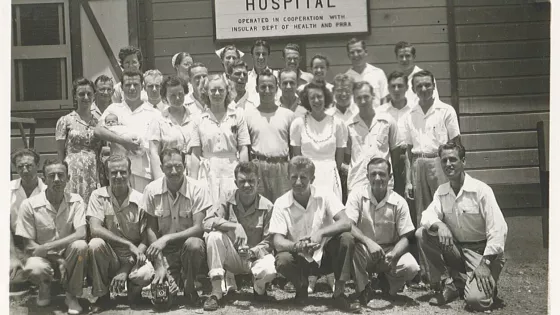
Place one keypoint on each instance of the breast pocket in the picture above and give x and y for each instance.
(162, 213)
(440, 133)
(45, 224)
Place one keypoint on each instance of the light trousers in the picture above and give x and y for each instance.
(427, 175)
(273, 179)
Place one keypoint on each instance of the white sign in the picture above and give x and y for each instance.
(236, 19)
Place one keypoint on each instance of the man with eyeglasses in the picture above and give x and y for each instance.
(26, 163)
(238, 240)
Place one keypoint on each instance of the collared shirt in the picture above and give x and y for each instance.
(255, 220)
(225, 136)
(270, 132)
(410, 95)
(40, 222)
(175, 214)
(347, 116)
(138, 121)
(125, 220)
(384, 222)
(95, 111)
(194, 106)
(244, 102)
(295, 222)
(305, 77)
(172, 134)
(161, 106)
(374, 76)
(118, 94)
(18, 196)
(366, 142)
(426, 132)
(472, 216)
(399, 116)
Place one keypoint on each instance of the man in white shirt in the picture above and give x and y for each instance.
(26, 163)
(137, 115)
(292, 59)
(260, 52)
(311, 234)
(398, 107)
(238, 76)
(406, 59)
(363, 71)
(269, 128)
(370, 134)
(382, 228)
(197, 73)
(427, 126)
(462, 236)
(152, 86)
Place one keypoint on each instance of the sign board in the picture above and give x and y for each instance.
(244, 19)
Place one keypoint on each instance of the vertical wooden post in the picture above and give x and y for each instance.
(149, 26)
(453, 67)
(76, 38)
(133, 26)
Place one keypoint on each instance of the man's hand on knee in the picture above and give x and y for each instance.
(484, 281)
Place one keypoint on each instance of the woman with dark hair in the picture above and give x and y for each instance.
(76, 143)
(130, 58)
(181, 62)
(175, 128)
(320, 137)
(220, 136)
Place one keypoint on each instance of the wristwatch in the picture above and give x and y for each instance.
(486, 261)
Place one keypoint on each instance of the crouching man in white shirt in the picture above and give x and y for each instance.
(462, 236)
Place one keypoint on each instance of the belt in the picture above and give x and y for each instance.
(270, 159)
(473, 243)
(424, 155)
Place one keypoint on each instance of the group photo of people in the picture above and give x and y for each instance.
(277, 175)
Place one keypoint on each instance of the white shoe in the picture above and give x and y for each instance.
(74, 307)
(312, 283)
(44, 294)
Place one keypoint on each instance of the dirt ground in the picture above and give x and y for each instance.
(523, 286)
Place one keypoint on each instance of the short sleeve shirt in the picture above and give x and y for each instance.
(219, 137)
(374, 76)
(345, 117)
(365, 143)
(270, 132)
(125, 220)
(170, 133)
(384, 222)
(194, 106)
(399, 115)
(18, 196)
(40, 222)
(175, 214)
(426, 132)
(295, 222)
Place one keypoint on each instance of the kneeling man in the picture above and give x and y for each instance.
(382, 227)
(462, 232)
(238, 239)
(176, 206)
(311, 234)
(53, 226)
(118, 243)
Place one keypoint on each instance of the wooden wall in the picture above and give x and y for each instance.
(503, 64)
(187, 26)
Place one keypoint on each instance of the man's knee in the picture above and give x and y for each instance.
(143, 275)
(283, 260)
(96, 244)
(35, 267)
(347, 240)
(477, 300)
(214, 237)
(194, 245)
(79, 246)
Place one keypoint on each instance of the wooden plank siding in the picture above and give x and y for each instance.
(503, 53)
(187, 26)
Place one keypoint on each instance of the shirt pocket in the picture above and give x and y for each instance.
(440, 133)
(45, 224)
(160, 212)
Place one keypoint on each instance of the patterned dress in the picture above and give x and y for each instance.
(82, 150)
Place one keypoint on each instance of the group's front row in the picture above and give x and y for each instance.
(168, 235)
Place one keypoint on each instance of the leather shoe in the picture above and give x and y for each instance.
(449, 294)
(343, 303)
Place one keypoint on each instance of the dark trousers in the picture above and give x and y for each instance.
(399, 175)
(185, 261)
(338, 256)
(344, 182)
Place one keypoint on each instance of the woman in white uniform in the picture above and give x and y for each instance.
(320, 137)
(220, 137)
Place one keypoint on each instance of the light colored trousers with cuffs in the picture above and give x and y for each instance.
(222, 255)
(75, 257)
(104, 264)
(405, 269)
(458, 263)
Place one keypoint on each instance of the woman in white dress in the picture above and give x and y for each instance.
(219, 137)
(320, 137)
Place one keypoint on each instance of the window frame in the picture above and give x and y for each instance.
(62, 51)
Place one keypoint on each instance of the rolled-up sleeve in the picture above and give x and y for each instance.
(278, 224)
(496, 226)
(432, 214)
